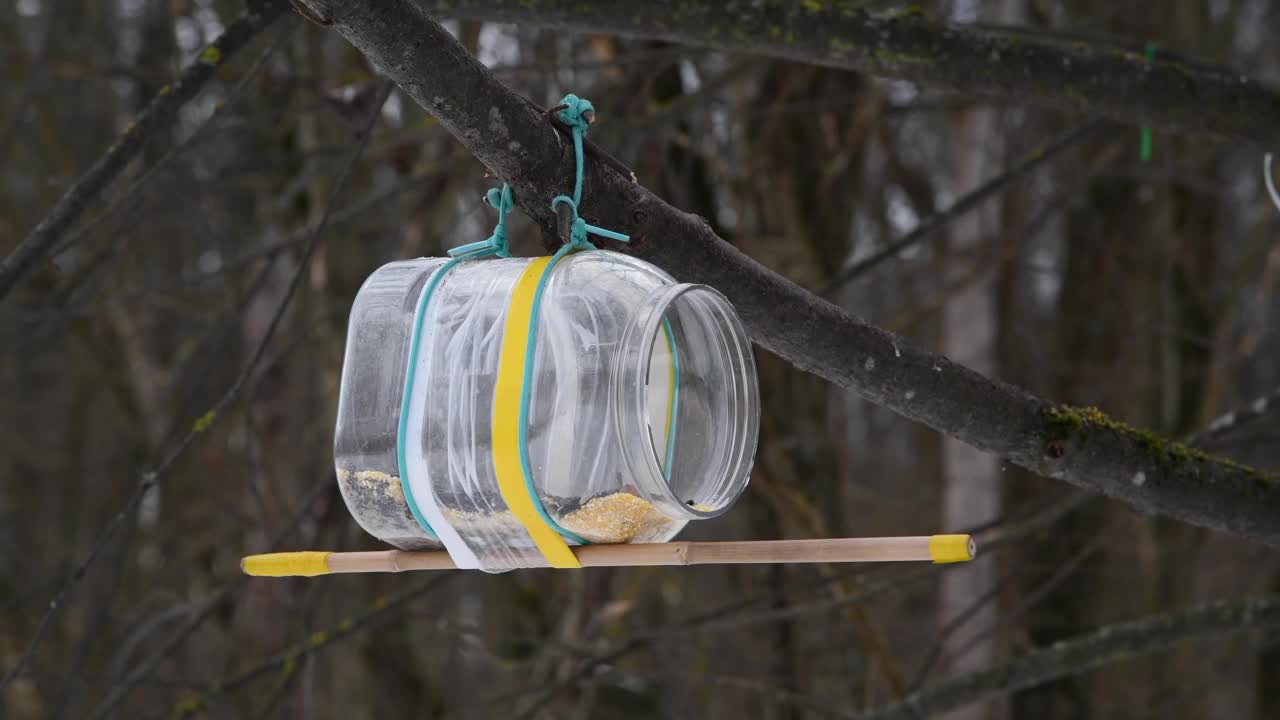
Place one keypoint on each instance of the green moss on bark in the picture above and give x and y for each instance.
(1067, 423)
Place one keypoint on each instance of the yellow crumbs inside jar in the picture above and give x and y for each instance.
(616, 518)
(374, 481)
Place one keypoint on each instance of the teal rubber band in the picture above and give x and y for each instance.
(672, 415)
(572, 115)
(530, 349)
(420, 315)
(411, 371)
(495, 244)
(524, 400)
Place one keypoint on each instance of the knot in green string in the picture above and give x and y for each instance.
(496, 244)
(500, 200)
(578, 113)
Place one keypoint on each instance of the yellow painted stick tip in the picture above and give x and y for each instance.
(951, 548)
(287, 564)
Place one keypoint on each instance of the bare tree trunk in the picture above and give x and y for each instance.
(971, 478)
(972, 490)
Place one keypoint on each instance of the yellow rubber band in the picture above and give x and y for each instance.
(287, 564)
(951, 548)
(506, 420)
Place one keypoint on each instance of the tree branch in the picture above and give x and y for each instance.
(1082, 447)
(287, 661)
(1237, 419)
(154, 119)
(962, 205)
(1071, 657)
(1019, 64)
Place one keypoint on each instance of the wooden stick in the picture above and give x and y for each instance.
(564, 222)
(937, 548)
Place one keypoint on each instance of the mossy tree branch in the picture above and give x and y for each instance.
(514, 139)
(1018, 64)
(1104, 646)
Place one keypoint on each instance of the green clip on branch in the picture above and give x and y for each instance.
(1144, 140)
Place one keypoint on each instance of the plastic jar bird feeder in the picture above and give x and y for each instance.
(565, 411)
(636, 400)
(570, 411)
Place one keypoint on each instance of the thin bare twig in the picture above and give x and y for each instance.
(1106, 645)
(310, 15)
(151, 477)
(154, 119)
(732, 617)
(1059, 575)
(964, 204)
(129, 199)
(121, 688)
(1235, 419)
(382, 607)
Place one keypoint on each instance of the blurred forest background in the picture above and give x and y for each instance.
(1090, 274)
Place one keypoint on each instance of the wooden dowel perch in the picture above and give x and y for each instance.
(936, 548)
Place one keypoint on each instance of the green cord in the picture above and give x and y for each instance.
(576, 113)
(402, 431)
(1144, 139)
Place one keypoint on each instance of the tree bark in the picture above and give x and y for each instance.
(1016, 64)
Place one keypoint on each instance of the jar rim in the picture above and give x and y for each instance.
(706, 340)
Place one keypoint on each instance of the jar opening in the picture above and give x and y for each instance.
(688, 407)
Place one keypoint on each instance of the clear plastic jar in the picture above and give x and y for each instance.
(373, 370)
(642, 410)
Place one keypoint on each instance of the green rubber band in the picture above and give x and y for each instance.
(673, 402)
(524, 400)
(419, 317)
